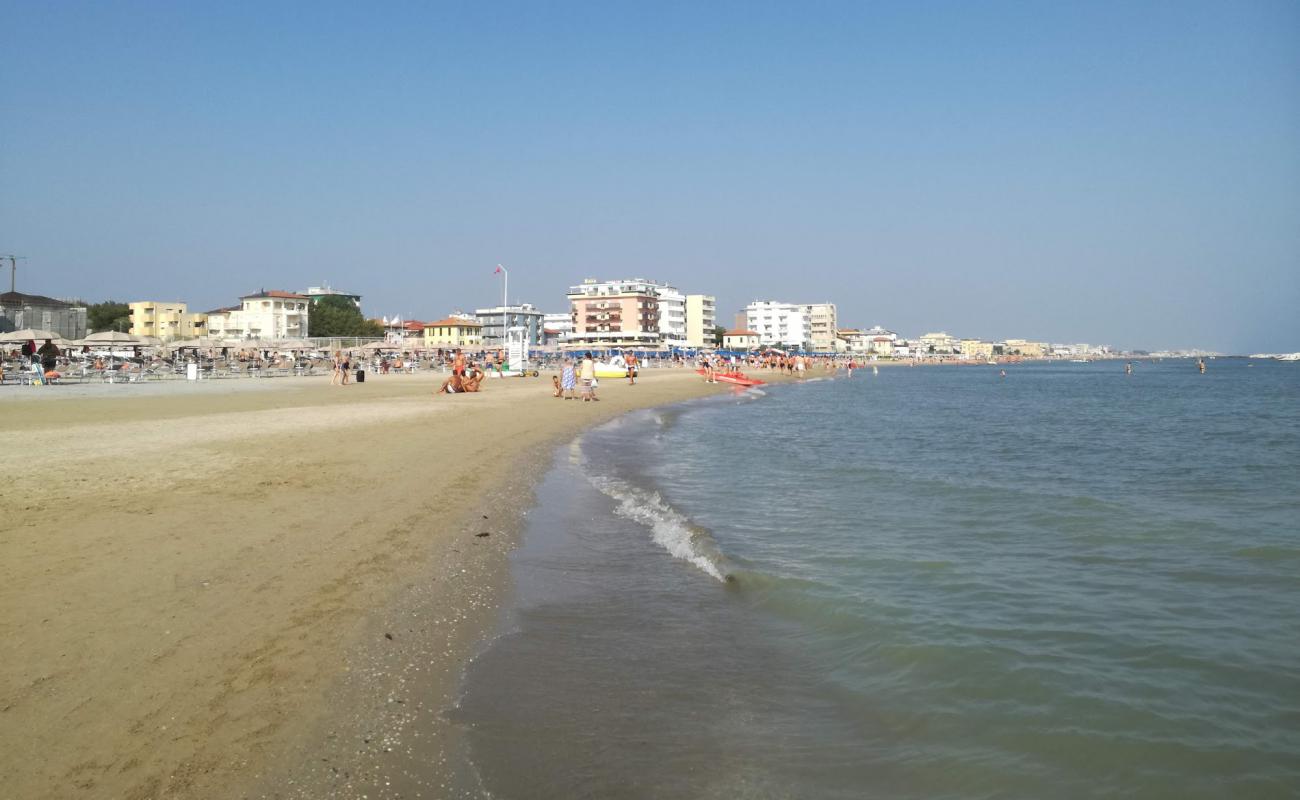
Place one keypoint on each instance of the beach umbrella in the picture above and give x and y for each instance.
(112, 339)
(109, 338)
(30, 334)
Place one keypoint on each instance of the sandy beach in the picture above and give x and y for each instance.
(260, 588)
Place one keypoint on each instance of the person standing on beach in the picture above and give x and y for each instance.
(631, 369)
(458, 364)
(49, 355)
(337, 377)
(568, 381)
(587, 374)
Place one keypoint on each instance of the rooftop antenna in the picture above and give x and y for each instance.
(13, 270)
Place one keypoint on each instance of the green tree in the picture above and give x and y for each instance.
(718, 333)
(108, 316)
(333, 315)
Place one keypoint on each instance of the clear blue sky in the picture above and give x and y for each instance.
(1104, 172)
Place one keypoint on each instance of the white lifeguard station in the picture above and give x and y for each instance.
(517, 364)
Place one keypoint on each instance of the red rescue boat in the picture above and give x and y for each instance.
(737, 378)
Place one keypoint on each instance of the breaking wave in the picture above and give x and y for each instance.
(670, 529)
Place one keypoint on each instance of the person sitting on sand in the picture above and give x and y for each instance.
(451, 386)
(556, 391)
(473, 381)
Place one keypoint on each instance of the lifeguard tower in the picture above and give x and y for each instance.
(517, 364)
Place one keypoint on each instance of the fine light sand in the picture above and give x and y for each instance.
(263, 588)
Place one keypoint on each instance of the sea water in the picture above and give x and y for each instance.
(926, 583)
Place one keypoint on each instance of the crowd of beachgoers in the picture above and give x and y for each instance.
(574, 373)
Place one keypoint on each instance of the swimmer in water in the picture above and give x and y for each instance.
(1002, 373)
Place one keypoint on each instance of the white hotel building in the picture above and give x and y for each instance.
(672, 316)
(265, 315)
(779, 324)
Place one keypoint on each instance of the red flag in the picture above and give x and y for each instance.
(497, 271)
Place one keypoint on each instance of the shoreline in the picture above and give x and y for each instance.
(191, 612)
(394, 762)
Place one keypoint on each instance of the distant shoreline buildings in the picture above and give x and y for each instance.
(623, 313)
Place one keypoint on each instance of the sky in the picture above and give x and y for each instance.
(1124, 173)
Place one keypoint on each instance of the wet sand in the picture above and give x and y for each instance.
(267, 588)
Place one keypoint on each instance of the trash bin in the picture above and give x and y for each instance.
(361, 376)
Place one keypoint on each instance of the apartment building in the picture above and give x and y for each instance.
(561, 323)
(976, 349)
(166, 321)
(852, 340)
(498, 319)
(672, 316)
(822, 327)
(937, 343)
(779, 324)
(617, 313)
(701, 319)
(1024, 347)
(264, 315)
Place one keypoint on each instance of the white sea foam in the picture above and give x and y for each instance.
(670, 529)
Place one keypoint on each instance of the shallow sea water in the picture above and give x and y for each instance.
(926, 583)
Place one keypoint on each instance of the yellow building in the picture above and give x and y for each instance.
(166, 321)
(1025, 348)
(453, 332)
(976, 349)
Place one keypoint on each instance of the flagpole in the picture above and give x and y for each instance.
(505, 300)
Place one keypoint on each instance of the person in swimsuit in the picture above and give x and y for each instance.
(587, 373)
(450, 386)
